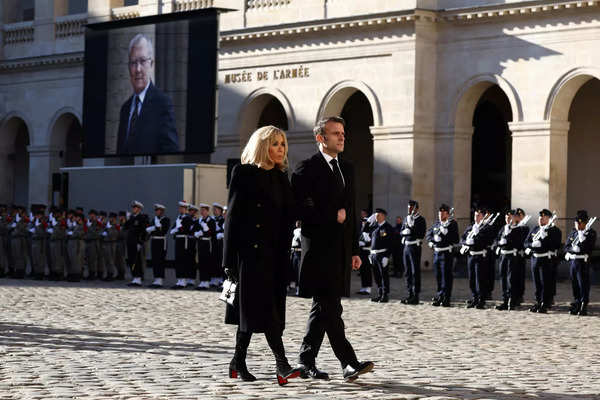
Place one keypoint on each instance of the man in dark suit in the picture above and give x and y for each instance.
(146, 121)
(324, 190)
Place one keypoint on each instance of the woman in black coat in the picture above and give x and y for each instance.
(258, 233)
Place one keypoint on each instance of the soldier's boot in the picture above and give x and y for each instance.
(536, 306)
(503, 306)
(512, 304)
(481, 303)
(583, 310)
(543, 308)
(406, 300)
(436, 301)
(237, 366)
(471, 303)
(574, 308)
(446, 301)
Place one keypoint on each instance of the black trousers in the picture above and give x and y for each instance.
(382, 274)
(443, 263)
(191, 264)
(478, 269)
(412, 263)
(580, 281)
(491, 272)
(366, 275)
(181, 257)
(398, 259)
(326, 318)
(295, 258)
(134, 260)
(543, 275)
(523, 268)
(159, 253)
(512, 276)
(205, 261)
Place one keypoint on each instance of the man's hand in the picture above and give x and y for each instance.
(341, 217)
(356, 263)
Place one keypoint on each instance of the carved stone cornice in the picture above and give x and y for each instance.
(42, 62)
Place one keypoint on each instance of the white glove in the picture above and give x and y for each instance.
(150, 229)
(17, 218)
(528, 251)
(475, 229)
(464, 250)
(204, 226)
(502, 242)
(178, 223)
(89, 223)
(104, 234)
(443, 230)
(536, 244)
(543, 234)
(108, 225)
(506, 229)
(385, 261)
(430, 244)
(69, 233)
(127, 214)
(437, 238)
(13, 225)
(360, 243)
(157, 222)
(581, 235)
(405, 231)
(567, 256)
(366, 237)
(198, 234)
(410, 221)
(220, 236)
(32, 230)
(37, 222)
(173, 231)
(50, 230)
(54, 222)
(470, 241)
(497, 251)
(576, 249)
(371, 219)
(139, 247)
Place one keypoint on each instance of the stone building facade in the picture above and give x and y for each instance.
(454, 101)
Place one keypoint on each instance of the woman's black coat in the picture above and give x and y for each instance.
(249, 249)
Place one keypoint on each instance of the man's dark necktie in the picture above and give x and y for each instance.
(337, 172)
(134, 117)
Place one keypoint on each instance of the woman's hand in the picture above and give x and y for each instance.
(231, 275)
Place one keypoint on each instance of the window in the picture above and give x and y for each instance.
(131, 2)
(78, 6)
(28, 10)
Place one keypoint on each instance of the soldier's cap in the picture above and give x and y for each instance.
(217, 205)
(413, 203)
(183, 203)
(381, 211)
(511, 212)
(445, 207)
(225, 208)
(136, 203)
(193, 207)
(102, 213)
(480, 209)
(122, 214)
(71, 211)
(159, 207)
(582, 216)
(112, 215)
(204, 205)
(546, 212)
(79, 215)
(92, 211)
(520, 211)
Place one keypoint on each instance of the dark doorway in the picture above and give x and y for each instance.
(73, 145)
(359, 146)
(273, 114)
(492, 151)
(21, 166)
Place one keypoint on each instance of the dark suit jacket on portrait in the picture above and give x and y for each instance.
(327, 246)
(154, 132)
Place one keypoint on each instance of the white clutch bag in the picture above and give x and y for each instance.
(228, 293)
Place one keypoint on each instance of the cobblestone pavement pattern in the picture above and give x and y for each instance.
(92, 340)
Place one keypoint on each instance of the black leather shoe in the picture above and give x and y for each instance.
(574, 309)
(413, 301)
(375, 299)
(472, 303)
(407, 300)
(311, 371)
(534, 307)
(384, 299)
(436, 302)
(351, 373)
(446, 303)
(480, 305)
(542, 309)
(503, 306)
(583, 311)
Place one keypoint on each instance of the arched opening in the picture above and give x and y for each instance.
(583, 149)
(262, 110)
(67, 139)
(273, 114)
(14, 159)
(491, 151)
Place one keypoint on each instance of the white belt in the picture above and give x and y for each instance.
(205, 238)
(183, 237)
(159, 237)
(583, 257)
(411, 242)
(543, 255)
(478, 253)
(378, 251)
(442, 249)
(164, 239)
(505, 252)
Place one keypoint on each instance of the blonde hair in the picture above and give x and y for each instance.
(257, 150)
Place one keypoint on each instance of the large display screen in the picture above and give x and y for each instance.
(150, 85)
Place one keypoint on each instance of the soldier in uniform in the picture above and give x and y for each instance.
(367, 225)
(398, 249)
(121, 247)
(93, 249)
(542, 245)
(19, 241)
(39, 237)
(136, 238)
(295, 257)
(4, 223)
(57, 230)
(206, 245)
(194, 236)
(442, 237)
(578, 249)
(158, 231)
(494, 228)
(475, 242)
(110, 237)
(519, 217)
(381, 251)
(180, 231)
(76, 231)
(413, 232)
(509, 248)
(218, 249)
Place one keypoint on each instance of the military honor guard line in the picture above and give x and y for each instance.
(303, 236)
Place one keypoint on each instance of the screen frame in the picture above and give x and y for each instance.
(203, 22)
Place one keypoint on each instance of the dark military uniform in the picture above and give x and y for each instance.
(180, 231)
(121, 247)
(442, 237)
(543, 248)
(206, 245)
(413, 232)
(218, 250)
(76, 250)
(509, 249)
(364, 243)
(136, 238)
(93, 249)
(475, 242)
(578, 249)
(39, 237)
(19, 236)
(110, 238)
(381, 251)
(4, 223)
(158, 246)
(58, 247)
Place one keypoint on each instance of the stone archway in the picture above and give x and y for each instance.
(14, 160)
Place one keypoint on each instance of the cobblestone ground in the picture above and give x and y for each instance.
(98, 340)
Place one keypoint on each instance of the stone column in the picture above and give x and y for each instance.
(41, 162)
(539, 166)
